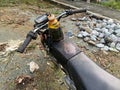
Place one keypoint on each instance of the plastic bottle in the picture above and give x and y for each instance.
(55, 30)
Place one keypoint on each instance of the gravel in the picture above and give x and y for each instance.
(102, 33)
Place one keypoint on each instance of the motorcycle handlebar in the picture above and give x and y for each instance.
(24, 45)
(31, 35)
(77, 11)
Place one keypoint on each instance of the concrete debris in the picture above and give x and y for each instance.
(33, 66)
(104, 32)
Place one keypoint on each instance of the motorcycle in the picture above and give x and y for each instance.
(81, 72)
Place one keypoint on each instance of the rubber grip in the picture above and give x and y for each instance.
(24, 45)
(79, 11)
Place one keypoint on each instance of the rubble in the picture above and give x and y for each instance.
(102, 33)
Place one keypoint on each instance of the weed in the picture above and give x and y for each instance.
(112, 4)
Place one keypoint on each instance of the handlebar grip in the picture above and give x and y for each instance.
(79, 11)
(24, 45)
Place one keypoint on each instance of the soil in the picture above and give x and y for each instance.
(15, 22)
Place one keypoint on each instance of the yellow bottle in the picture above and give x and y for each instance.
(56, 33)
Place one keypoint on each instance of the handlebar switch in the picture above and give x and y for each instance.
(32, 35)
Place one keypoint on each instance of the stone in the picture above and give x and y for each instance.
(74, 19)
(104, 30)
(99, 21)
(113, 26)
(110, 21)
(106, 33)
(33, 66)
(113, 49)
(111, 31)
(112, 45)
(113, 37)
(86, 39)
(108, 26)
(102, 40)
(118, 46)
(106, 48)
(103, 24)
(94, 32)
(92, 42)
(101, 35)
(69, 34)
(104, 20)
(78, 24)
(98, 29)
(83, 19)
(100, 45)
(93, 37)
(87, 29)
(98, 25)
(117, 31)
(84, 33)
(117, 27)
(79, 35)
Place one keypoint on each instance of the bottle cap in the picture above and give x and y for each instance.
(51, 17)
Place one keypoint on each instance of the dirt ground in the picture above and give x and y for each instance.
(15, 22)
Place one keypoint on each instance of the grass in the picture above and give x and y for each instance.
(4, 3)
(115, 4)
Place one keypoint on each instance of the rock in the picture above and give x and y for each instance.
(69, 34)
(117, 27)
(84, 33)
(106, 33)
(106, 48)
(101, 35)
(98, 29)
(98, 25)
(94, 32)
(100, 45)
(112, 45)
(113, 49)
(104, 30)
(111, 31)
(92, 24)
(104, 20)
(110, 21)
(86, 39)
(92, 42)
(79, 35)
(83, 19)
(113, 37)
(104, 24)
(74, 19)
(78, 24)
(23, 79)
(113, 26)
(118, 46)
(87, 29)
(99, 21)
(108, 27)
(117, 31)
(33, 66)
(102, 40)
(93, 37)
